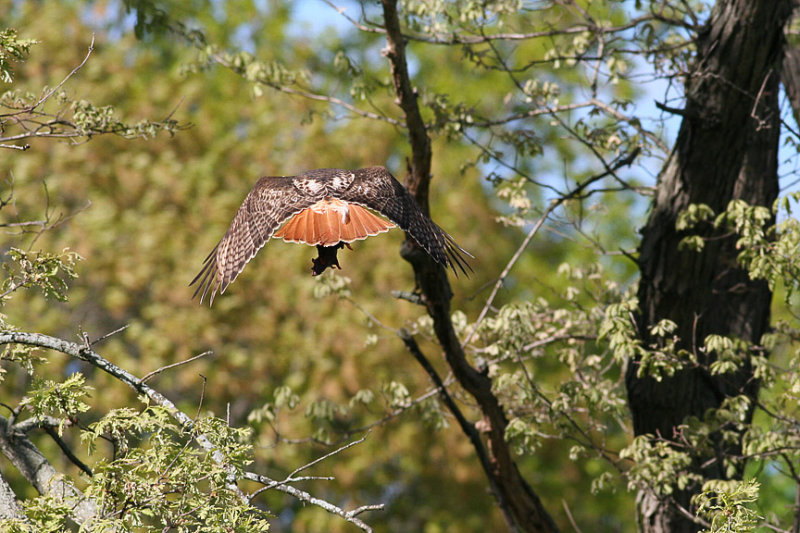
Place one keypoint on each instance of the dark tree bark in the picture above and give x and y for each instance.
(790, 70)
(726, 149)
(790, 77)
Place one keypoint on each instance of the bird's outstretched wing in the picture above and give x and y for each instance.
(272, 201)
(376, 188)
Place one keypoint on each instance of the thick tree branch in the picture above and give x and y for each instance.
(48, 425)
(30, 462)
(418, 179)
(467, 427)
(790, 75)
(9, 506)
(85, 353)
(512, 491)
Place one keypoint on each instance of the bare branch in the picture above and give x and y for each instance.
(354, 22)
(52, 91)
(301, 495)
(66, 450)
(569, 516)
(511, 262)
(327, 455)
(109, 334)
(38, 422)
(467, 427)
(173, 365)
(22, 148)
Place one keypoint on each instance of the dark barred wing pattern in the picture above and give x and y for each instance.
(275, 200)
(272, 201)
(376, 188)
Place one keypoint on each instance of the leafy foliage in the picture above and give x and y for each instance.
(723, 503)
(542, 102)
(12, 49)
(58, 399)
(45, 271)
(158, 478)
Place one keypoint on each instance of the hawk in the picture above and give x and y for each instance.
(327, 208)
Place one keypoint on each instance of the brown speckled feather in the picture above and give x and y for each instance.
(376, 188)
(332, 193)
(272, 201)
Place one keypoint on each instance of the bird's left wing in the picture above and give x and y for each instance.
(376, 188)
(272, 201)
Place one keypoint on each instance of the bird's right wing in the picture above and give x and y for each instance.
(376, 188)
(271, 202)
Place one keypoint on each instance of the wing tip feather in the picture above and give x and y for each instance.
(207, 278)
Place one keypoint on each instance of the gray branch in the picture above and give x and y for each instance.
(9, 506)
(302, 495)
(30, 462)
(85, 353)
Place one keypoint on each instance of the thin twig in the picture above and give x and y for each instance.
(351, 20)
(554, 203)
(67, 450)
(308, 498)
(312, 96)
(363, 508)
(327, 455)
(109, 334)
(173, 365)
(22, 148)
(625, 118)
(52, 91)
(569, 516)
(514, 258)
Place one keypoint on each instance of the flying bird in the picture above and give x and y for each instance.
(327, 208)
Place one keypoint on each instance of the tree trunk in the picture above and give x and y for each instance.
(726, 149)
(790, 76)
(790, 71)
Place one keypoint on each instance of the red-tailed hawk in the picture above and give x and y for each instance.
(323, 208)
